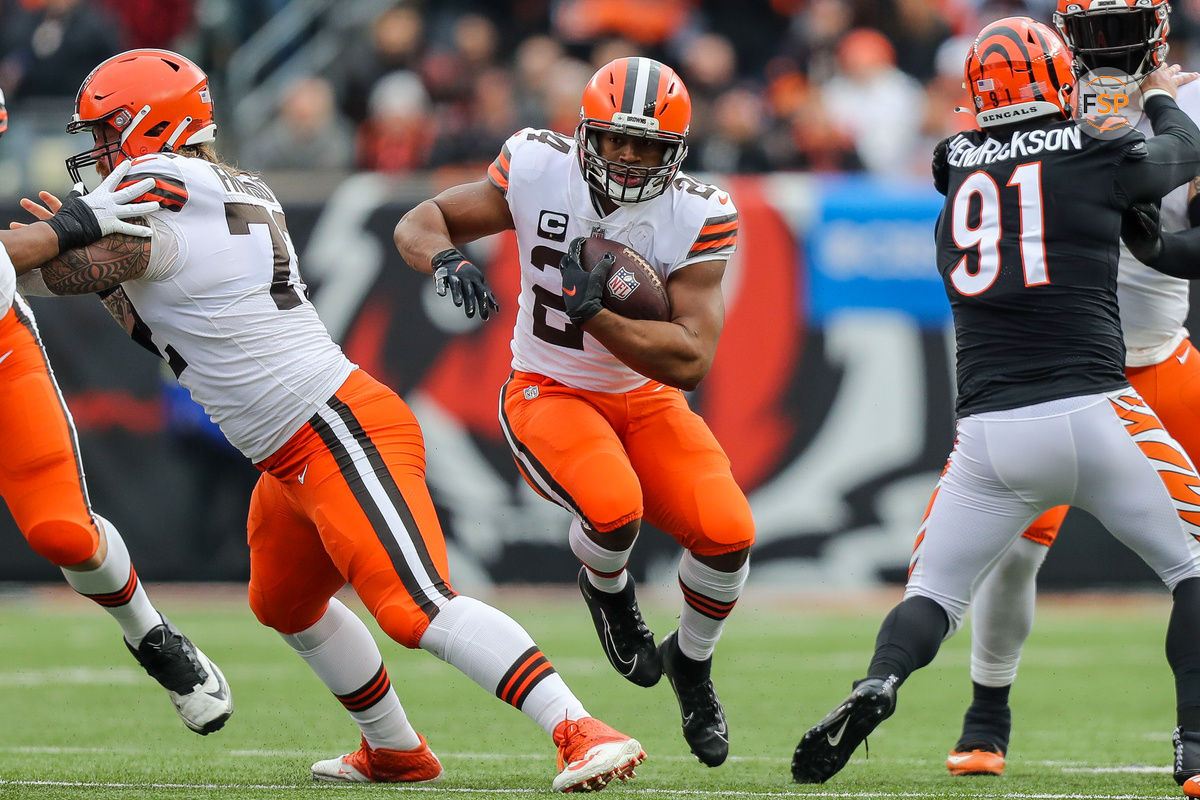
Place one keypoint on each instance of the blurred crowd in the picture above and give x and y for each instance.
(817, 85)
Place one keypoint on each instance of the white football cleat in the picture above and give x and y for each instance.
(193, 682)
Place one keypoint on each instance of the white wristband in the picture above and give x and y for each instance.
(1146, 95)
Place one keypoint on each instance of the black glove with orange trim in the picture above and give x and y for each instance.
(583, 291)
(465, 282)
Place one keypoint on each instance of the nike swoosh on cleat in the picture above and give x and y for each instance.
(611, 646)
(1183, 357)
(834, 741)
(958, 759)
(580, 765)
(10, 352)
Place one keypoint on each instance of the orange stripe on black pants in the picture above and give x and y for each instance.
(345, 500)
(41, 474)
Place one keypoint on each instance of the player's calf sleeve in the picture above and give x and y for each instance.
(115, 587)
(708, 598)
(606, 568)
(909, 638)
(341, 651)
(491, 649)
(1183, 652)
(1002, 613)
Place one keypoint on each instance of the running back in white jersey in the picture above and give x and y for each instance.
(223, 303)
(551, 204)
(1154, 306)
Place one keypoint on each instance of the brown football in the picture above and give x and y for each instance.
(633, 289)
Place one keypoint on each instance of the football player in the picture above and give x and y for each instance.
(594, 410)
(1129, 36)
(41, 474)
(1027, 248)
(216, 292)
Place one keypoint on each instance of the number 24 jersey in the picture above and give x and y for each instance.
(551, 204)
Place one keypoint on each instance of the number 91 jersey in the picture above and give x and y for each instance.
(539, 173)
(1027, 246)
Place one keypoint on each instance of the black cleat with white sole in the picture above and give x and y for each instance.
(827, 746)
(627, 641)
(194, 684)
(704, 726)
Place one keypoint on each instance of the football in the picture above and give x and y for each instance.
(633, 289)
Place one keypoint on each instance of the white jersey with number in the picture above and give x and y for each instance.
(1154, 306)
(551, 204)
(222, 302)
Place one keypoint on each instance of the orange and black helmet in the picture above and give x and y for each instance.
(1017, 69)
(156, 100)
(1125, 35)
(635, 97)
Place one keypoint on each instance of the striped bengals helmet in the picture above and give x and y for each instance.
(1017, 69)
(1127, 35)
(635, 97)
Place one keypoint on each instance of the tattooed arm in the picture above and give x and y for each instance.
(112, 260)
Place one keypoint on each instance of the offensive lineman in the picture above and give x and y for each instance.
(216, 291)
(41, 474)
(1160, 363)
(1027, 248)
(593, 411)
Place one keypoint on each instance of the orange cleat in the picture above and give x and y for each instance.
(368, 765)
(980, 761)
(590, 754)
(1191, 787)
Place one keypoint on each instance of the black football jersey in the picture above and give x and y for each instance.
(1027, 246)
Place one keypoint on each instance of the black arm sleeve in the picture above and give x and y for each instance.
(1180, 254)
(1168, 159)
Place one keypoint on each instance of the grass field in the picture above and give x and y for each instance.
(1093, 708)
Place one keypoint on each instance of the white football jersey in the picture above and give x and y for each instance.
(222, 302)
(551, 204)
(1154, 306)
(8, 281)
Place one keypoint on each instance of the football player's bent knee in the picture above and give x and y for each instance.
(401, 624)
(606, 491)
(63, 542)
(725, 517)
(287, 616)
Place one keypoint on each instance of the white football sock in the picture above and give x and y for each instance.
(114, 586)
(605, 568)
(341, 650)
(490, 648)
(708, 598)
(1002, 613)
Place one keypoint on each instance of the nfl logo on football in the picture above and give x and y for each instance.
(622, 283)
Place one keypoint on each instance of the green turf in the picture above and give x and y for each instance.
(1093, 709)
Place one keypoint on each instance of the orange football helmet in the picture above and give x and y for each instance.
(1019, 68)
(155, 99)
(636, 97)
(1126, 35)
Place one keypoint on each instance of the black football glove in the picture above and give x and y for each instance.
(1141, 233)
(466, 283)
(582, 291)
(941, 166)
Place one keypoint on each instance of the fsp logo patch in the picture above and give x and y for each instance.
(622, 283)
(531, 392)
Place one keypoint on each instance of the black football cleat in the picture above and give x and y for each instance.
(704, 727)
(193, 682)
(1187, 754)
(627, 641)
(827, 746)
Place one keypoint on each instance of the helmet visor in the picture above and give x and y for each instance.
(1113, 39)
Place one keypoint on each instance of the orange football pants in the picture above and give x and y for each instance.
(345, 500)
(41, 474)
(1172, 389)
(612, 458)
